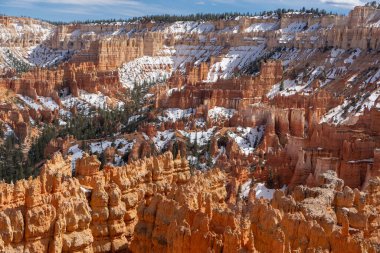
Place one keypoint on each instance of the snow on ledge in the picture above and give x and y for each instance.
(261, 190)
(175, 114)
(247, 138)
(217, 113)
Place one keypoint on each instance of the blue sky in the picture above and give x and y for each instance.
(69, 10)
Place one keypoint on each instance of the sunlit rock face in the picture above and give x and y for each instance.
(155, 205)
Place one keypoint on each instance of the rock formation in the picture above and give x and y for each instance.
(154, 205)
(94, 212)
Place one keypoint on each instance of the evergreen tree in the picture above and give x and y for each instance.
(11, 160)
(282, 85)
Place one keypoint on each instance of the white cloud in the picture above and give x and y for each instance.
(200, 3)
(83, 2)
(342, 3)
(93, 8)
(294, 3)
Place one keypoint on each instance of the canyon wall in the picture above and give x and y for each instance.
(154, 205)
(94, 212)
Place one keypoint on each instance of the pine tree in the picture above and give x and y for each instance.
(282, 85)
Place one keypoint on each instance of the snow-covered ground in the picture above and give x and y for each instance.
(188, 27)
(162, 139)
(29, 102)
(96, 99)
(289, 87)
(9, 56)
(158, 68)
(313, 28)
(373, 78)
(200, 123)
(220, 113)
(37, 55)
(335, 115)
(99, 147)
(201, 138)
(342, 113)
(235, 59)
(289, 56)
(294, 27)
(146, 69)
(76, 153)
(48, 103)
(183, 54)
(261, 27)
(175, 114)
(247, 138)
(43, 56)
(134, 118)
(367, 102)
(355, 54)
(122, 146)
(8, 130)
(70, 101)
(288, 33)
(245, 188)
(19, 30)
(83, 103)
(230, 29)
(332, 74)
(335, 53)
(261, 190)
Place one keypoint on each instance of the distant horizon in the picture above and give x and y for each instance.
(83, 10)
(164, 14)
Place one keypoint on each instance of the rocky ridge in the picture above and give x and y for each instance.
(155, 205)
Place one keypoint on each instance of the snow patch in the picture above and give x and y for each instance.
(201, 138)
(263, 192)
(353, 56)
(48, 103)
(76, 153)
(261, 27)
(145, 69)
(235, 59)
(247, 138)
(162, 139)
(218, 113)
(29, 102)
(289, 87)
(175, 114)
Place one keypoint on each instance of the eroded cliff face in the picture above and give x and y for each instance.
(104, 60)
(155, 205)
(96, 211)
(326, 218)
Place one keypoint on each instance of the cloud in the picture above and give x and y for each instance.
(342, 3)
(92, 8)
(82, 2)
(336, 3)
(200, 3)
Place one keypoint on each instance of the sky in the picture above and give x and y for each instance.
(71, 10)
